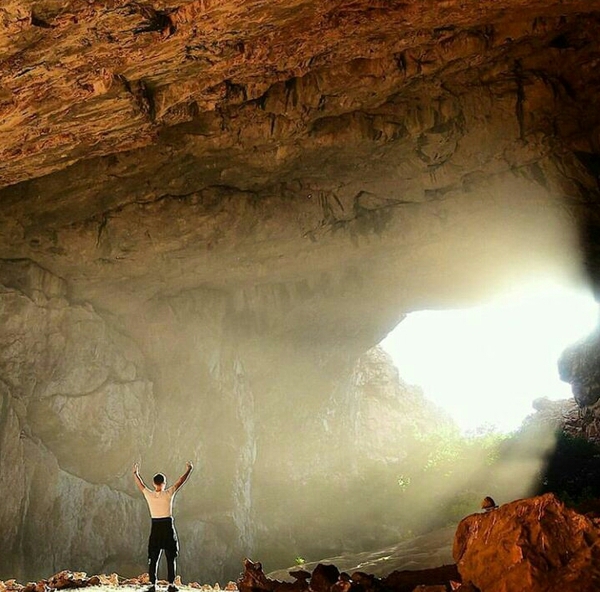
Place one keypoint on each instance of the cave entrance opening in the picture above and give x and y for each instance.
(485, 365)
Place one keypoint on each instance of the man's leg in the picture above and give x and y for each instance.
(153, 559)
(171, 552)
(171, 555)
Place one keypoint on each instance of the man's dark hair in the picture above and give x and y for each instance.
(158, 479)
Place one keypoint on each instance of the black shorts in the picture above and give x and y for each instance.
(163, 536)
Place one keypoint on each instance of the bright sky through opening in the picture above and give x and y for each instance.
(485, 365)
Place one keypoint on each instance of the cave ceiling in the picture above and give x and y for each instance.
(357, 147)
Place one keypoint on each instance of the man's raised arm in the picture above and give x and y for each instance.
(188, 469)
(138, 480)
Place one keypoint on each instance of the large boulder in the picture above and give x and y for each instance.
(535, 544)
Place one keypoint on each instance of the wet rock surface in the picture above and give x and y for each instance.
(416, 554)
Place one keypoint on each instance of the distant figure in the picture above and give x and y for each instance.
(488, 504)
(163, 535)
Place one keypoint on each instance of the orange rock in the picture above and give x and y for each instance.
(534, 544)
(111, 580)
(324, 576)
(60, 580)
(254, 578)
(79, 577)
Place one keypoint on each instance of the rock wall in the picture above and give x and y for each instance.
(81, 403)
(76, 407)
(271, 425)
(566, 415)
(578, 366)
(328, 480)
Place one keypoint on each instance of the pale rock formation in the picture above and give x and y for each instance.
(79, 407)
(388, 410)
(578, 366)
(75, 409)
(568, 416)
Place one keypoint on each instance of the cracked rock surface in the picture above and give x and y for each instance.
(151, 147)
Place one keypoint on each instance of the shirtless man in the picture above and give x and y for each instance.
(163, 535)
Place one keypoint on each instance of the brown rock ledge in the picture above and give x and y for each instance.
(532, 545)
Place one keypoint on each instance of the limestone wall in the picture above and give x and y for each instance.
(76, 407)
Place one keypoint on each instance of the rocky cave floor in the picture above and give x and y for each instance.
(531, 545)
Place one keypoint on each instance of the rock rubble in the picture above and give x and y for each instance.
(327, 578)
(71, 580)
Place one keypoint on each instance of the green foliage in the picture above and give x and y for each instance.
(448, 449)
(458, 470)
(436, 480)
(448, 474)
(403, 482)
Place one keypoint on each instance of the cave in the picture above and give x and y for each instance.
(212, 212)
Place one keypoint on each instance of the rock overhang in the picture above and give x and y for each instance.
(150, 148)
